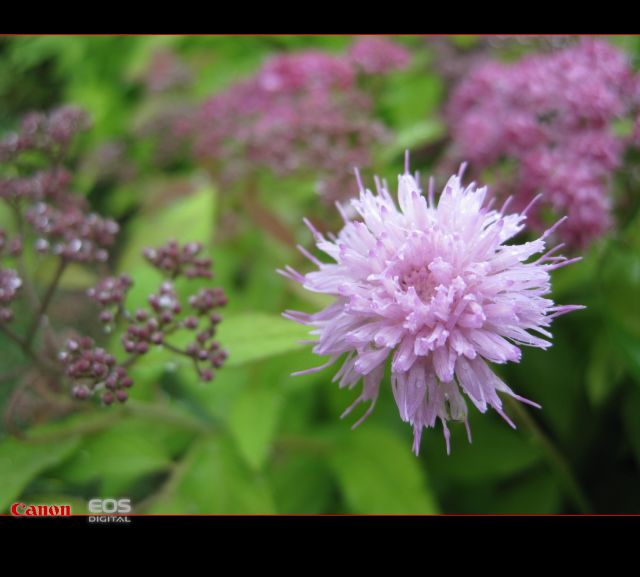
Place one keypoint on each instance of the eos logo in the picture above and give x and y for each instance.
(110, 506)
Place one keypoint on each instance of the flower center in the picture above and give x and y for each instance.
(421, 279)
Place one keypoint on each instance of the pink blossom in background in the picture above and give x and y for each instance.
(434, 288)
(61, 220)
(166, 71)
(377, 55)
(552, 114)
(301, 113)
(305, 71)
(170, 131)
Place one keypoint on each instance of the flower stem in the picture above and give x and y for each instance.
(166, 413)
(44, 305)
(555, 458)
(32, 295)
(264, 218)
(26, 349)
(176, 350)
(303, 444)
(99, 424)
(161, 412)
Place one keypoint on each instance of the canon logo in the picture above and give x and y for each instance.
(22, 510)
(110, 506)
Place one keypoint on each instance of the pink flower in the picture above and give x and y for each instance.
(165, 71)
(552, 114)
(376, 55)
(435, 289)
(10, 284)
(303, 71)
(299, 113)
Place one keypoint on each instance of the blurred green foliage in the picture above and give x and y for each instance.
(256, 440)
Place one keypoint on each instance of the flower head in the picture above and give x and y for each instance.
(378, 55)
(49, 133)
(297, 111)
(72, 233)
(434, 288)
(165, 71)
(10, 284)
(553, 114)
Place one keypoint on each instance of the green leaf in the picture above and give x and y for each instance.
(21, 461)
(629, 347)
(140, 58)
(302, 484)
(623, 127)
(539, 493)
(411, 97)
(125, 452)
(252, 336)
(75, 277)
(620, 285)
(631, 415)
(378, 473)
(497, 451)
(554, 378)
(604, 370)
(571, 279)
(189, 219)
(253, 423)
(414, 136)
(213, 479)
(464, 40)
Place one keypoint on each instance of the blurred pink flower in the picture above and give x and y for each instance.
(552, 114)
(377, 55)
(300, 113)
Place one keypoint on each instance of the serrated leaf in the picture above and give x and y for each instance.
(378, 473)
(252, 336)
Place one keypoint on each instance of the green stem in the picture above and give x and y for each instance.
(555, 458)
(99, 424)
(44, 305)
(133, 408)
(27, 350)
(169, 415)
(302, 444)
(132, 360)
(32, 295)
(176, 350)
(170, 485)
